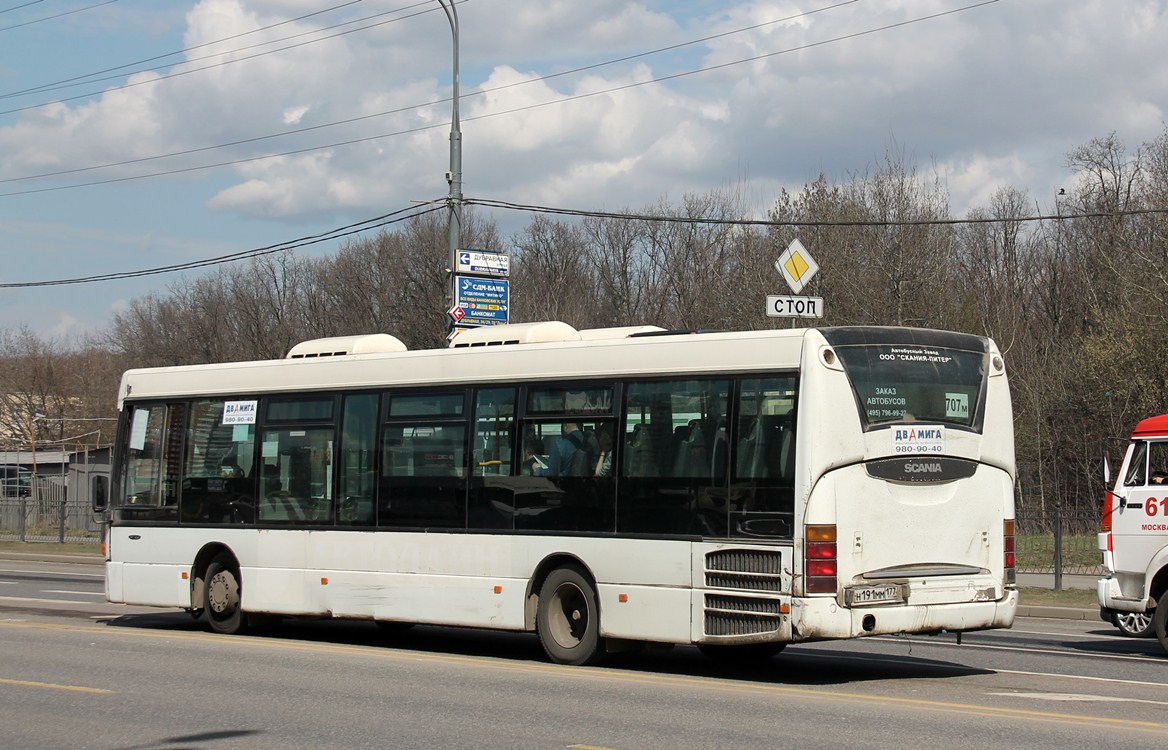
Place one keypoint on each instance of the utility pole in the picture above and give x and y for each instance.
(454, 175)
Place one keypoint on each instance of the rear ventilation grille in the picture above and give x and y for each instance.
(745, 570)
(739, 615)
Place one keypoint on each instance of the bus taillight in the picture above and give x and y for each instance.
(1008, 545)
(819, 559)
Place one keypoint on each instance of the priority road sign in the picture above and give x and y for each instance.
(796, 265)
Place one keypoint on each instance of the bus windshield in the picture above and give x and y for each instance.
(911, 382)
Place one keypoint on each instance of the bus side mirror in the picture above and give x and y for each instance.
(1106, 471)
(99, 494)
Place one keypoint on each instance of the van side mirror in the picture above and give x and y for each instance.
(1106, 471)
(99, 493)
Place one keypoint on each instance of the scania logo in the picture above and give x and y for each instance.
(923, 469)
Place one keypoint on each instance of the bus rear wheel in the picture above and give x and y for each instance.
(568, 617)
(222, 596)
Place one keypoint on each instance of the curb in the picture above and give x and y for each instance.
(1058, 613)
(75, 559)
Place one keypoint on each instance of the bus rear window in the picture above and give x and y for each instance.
(915, 383)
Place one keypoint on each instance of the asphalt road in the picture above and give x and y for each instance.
(78, 672)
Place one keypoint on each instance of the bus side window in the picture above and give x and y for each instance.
(298, 476)
(149, 482)
(217, 485)
(356, 464)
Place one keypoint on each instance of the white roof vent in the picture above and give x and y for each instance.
(338, 346)
(619, 332)
(515, 333)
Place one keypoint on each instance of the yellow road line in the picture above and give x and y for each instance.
(54, 686)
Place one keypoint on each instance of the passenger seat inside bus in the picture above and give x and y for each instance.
(768, 450)
(691, 457)
(641, 462)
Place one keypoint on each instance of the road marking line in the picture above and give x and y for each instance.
(27, 599)
(53, 573)
(53, 686)
(1079, 697)
(892, 659)
(989, 647)
(75, 593)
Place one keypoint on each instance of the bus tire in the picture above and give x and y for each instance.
(1160, 621)
(222, 596)
(568, 617)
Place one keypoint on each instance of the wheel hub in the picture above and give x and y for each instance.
(222, 593)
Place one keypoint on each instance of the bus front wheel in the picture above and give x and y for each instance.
(568, 617)
(222, 596)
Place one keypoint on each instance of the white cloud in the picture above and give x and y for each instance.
(993, 96)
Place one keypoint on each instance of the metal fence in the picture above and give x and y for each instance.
(1058, 540)
(1054, 540)
(47, 515)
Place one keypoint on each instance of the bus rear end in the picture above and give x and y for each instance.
(908, 511)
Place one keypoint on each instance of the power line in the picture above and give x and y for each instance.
(80, 80)
(18, 7)
(333, 234)
(406, 108)
(225, 62)
(665, 219)
(53, 17)
(439, 205)
(514, 110)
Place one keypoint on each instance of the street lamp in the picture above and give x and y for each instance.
(454, 176)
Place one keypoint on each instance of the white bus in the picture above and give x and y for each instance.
(1134, 538)
(605, 489)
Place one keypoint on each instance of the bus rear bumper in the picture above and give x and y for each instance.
(824, 619)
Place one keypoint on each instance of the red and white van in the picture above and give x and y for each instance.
(1134, 536)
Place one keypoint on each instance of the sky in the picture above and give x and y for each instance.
(140, 134)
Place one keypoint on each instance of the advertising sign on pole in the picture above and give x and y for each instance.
(483, 302)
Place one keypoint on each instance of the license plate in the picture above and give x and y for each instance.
(885, 593)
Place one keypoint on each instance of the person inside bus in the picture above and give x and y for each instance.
(564, 460)
(1158, 477)
(604, 457)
